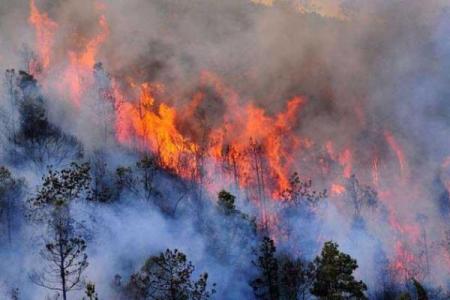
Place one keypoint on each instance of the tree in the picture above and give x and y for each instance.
(62, 187)
(225, 202)
(36, 138)
(231, 235)
(64, 254)
(90, 291)
(360, 196)
(168, 277)
(295, 278)
(333, 275)
(102, 183)
(300, 193)
(138, 180)
(147, 169)
(420, 290)
(11, 190)
(265, 286)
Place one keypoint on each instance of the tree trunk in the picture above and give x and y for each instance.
(62, 269)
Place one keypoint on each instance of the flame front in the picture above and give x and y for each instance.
(243, 147)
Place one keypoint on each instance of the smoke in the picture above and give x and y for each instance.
(374, 76)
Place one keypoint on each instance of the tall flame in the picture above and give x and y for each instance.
(45, 29)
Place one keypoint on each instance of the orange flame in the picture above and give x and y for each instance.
(395, 146)
(45, 30)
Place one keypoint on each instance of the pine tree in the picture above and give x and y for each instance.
(168, 277)
(333, 275)
(64, 256)
(420, 290)
(225, 202)
(295, 278)
(64, 253)
(265, 286)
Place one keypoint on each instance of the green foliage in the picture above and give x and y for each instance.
(61, 187)
(265, 286)
(333, 275)
(295, 278)
(168, 277)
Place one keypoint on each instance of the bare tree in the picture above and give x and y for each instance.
(64, 252)
(64, 256)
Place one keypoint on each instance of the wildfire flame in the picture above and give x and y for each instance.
(246, 148)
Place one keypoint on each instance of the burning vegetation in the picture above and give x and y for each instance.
(257, 137)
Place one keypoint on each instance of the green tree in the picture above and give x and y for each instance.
(265, 286)
(333, 275)
(295, 278)
(62, 187)
(168, 277)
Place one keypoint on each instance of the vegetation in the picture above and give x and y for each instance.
(168, 276)
(59, 217)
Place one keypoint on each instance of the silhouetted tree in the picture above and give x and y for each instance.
(102, 183)
(64, 252)
(300, 193)
(361, 196)
(90, 291)
(333, 275)
(168, 277)
(147, 168)
(265, 286)
(11, 190)
(295, 278)
(225, 202)
(420, 290)
(36, 138)
(232, 234)
(62, 187)
(64, 256)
